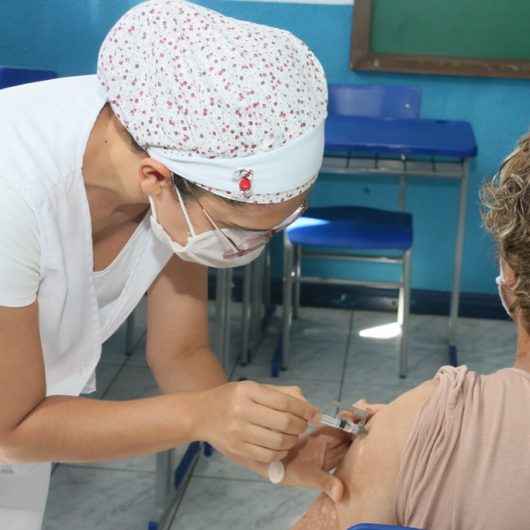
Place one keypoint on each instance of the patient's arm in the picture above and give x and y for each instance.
(370, 469)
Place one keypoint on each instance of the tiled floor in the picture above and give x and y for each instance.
(329, 361)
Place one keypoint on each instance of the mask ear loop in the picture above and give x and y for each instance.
(212, 222)
(184, 211)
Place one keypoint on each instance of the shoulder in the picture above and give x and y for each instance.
(18, 221)
(370, 470)
(19, 249)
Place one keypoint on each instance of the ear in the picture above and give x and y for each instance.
(153, 176)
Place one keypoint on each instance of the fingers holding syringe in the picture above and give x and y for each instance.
(279, 422)
(283, 411)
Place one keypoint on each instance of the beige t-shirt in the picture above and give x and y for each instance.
(466, 465)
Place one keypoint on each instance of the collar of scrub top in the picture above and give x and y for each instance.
(268, 177)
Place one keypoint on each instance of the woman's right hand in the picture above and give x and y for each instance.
(252, 421)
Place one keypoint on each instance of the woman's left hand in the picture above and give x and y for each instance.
(309, 462)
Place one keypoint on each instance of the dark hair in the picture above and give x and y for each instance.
(190, 189)
(187, 188)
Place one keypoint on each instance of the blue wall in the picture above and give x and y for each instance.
(65, 34)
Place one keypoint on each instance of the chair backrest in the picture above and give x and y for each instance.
(20, 76)
(374, 101)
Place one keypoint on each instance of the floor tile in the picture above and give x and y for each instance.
(486, 345)
(317, 347)
(309, 359)
(137, 357)
(218, 466)
(105, 375)
(97, 499)
(133, 382)
(114, 348)
(145, 463)
(371, 368)
(240, 505)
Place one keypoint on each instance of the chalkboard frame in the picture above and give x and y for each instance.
(363, 58)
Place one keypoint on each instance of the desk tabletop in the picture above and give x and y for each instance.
(409, 137)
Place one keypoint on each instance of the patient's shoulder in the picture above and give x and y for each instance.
(371, 467)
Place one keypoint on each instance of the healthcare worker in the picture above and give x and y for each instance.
(197, 140)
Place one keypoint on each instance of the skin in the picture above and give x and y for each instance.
(370, 469)
(253, 424)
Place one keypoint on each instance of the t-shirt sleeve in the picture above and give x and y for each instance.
(427, 456)
(19, 250)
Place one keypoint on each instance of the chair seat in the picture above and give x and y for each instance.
(353, 228)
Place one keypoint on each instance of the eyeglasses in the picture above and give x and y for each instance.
(252, 239)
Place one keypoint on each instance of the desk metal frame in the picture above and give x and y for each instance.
(350, 165)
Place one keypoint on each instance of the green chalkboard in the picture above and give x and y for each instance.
(456, 37)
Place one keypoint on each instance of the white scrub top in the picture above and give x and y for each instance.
(46, 233)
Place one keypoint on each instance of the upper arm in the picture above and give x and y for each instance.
(177, 314)
(22, 376)
(19, 250)
(370, 470)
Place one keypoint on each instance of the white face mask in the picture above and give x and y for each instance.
(209, 248)
(499, 281)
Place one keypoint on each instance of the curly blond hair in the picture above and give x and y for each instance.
(506, 215)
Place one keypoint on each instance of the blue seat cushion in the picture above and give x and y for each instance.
(352, 228)
(375, 526)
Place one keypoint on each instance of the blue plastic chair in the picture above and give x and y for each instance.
(374, 101)
(337, 232)
(20, 76)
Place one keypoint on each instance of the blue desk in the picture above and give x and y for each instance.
(406, 147)
(397, 137)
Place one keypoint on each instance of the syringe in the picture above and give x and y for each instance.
(277, 469)
(342, 424)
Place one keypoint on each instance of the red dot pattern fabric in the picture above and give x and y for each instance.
(185, 78)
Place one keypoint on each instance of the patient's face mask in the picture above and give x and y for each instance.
(500, 282)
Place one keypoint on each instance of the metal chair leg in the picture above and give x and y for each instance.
(267, 278)
(247, 313)
(297, 279)
(404, 314)
(227, 358)
(257, 298)
(401, 299)
(459, 246)
(219, 312)
(287, 300)
(164, 482)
